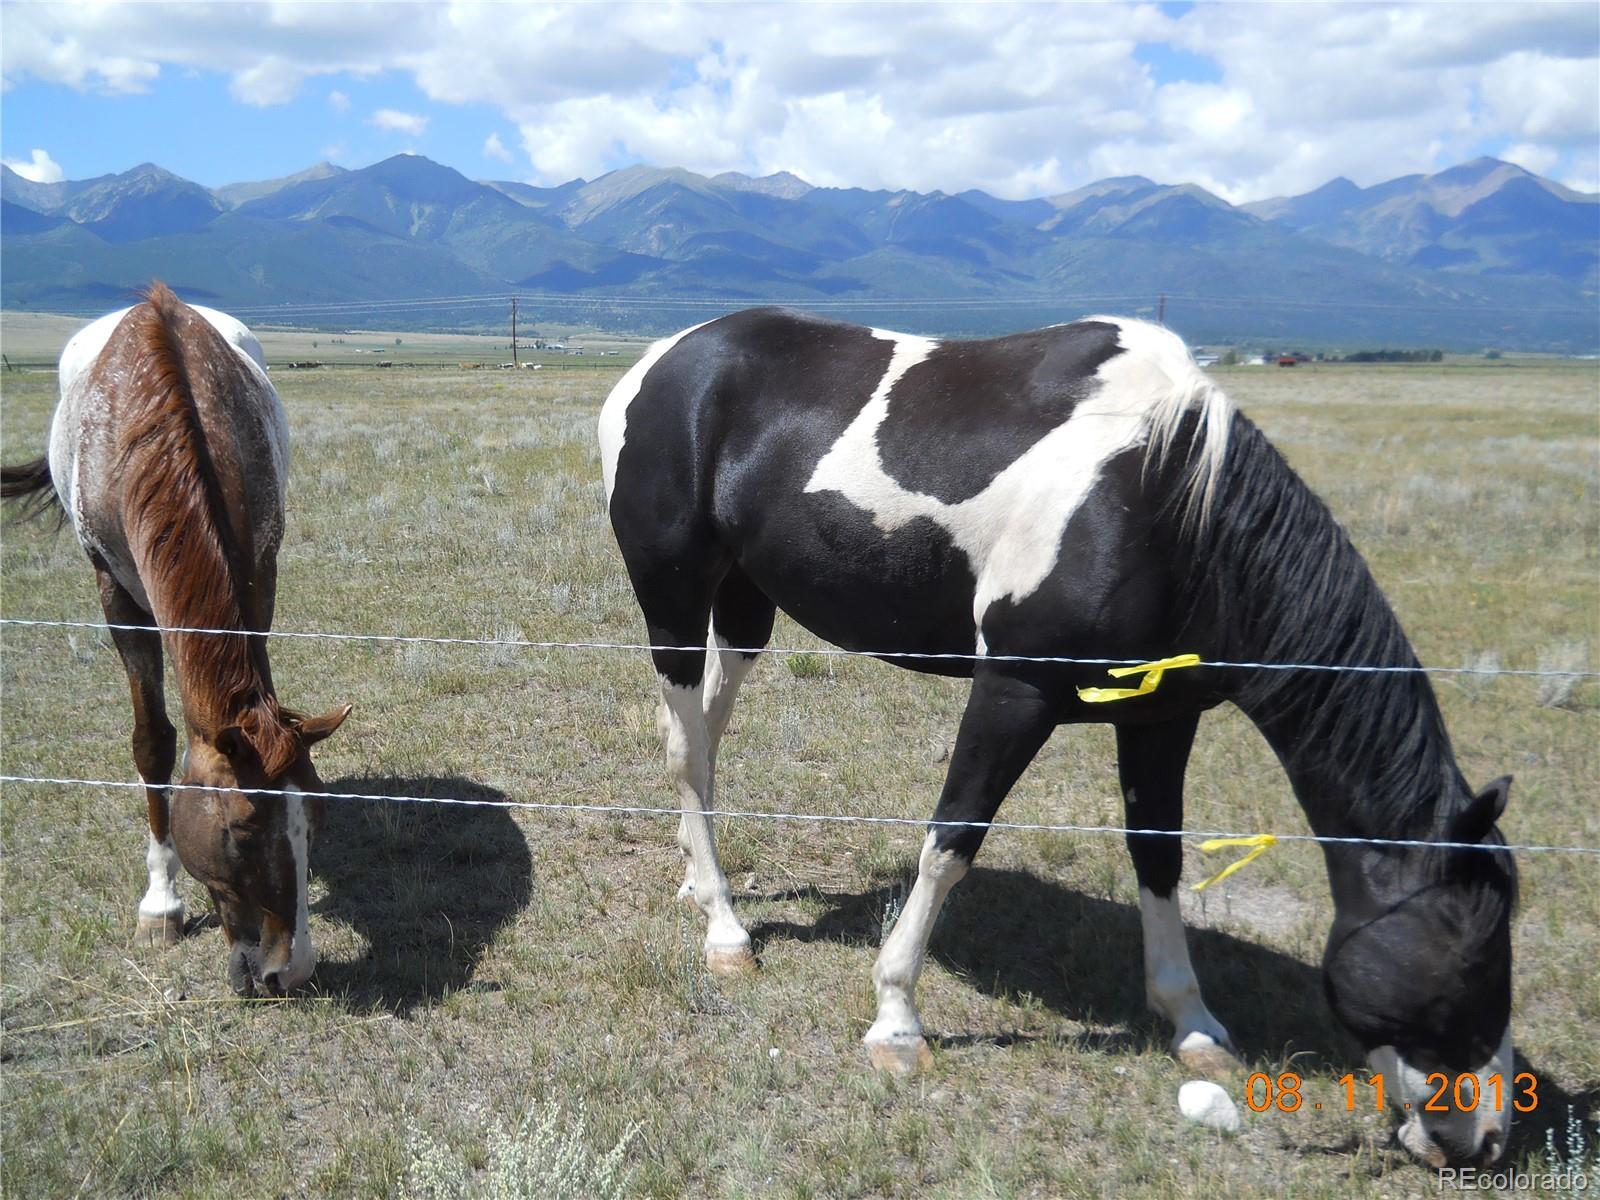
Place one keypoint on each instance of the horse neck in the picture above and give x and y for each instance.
(1277, 581)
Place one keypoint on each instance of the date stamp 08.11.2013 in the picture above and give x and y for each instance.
(1451, 1093)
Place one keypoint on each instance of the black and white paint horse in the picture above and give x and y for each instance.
(1077, 491)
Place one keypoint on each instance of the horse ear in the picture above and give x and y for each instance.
(231, 743)
(313, 729)
(1475, 822)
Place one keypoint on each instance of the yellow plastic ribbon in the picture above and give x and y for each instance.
(1152, 672)
(1262, 843)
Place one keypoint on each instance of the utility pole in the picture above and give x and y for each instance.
(1161, 310)
(514, 331)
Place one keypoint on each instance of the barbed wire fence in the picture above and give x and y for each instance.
(815, 818)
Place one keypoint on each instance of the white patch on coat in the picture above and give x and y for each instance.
(1187, 389)
(900, 961)
(302, 954)
(1011, 531)
(726, 670)
(161, 900)
(614, 413)
(1485, 1125)
(682, 725)
(1170, 986)
(853, 466)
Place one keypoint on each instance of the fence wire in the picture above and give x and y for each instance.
(645, 810)
(821, 651)
(817, 818)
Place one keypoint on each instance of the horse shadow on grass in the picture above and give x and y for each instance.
(1559, 1125)
(428, 886)
(1010, 933)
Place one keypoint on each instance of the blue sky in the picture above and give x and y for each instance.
(190, 124)
(1248, 100)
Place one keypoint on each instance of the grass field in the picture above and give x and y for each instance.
(483, 965)
(35, 340)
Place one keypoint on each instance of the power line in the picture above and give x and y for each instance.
(1076, 301)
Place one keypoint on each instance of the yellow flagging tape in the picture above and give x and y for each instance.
(1262, 843)
(1152, 672)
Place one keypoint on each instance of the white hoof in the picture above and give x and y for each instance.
(159, 929)
(730, 960)
(903, 1054)
(1207, 1057)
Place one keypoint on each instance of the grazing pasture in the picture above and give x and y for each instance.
(480, 965)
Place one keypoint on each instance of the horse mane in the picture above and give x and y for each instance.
(1186, 409)
(176, 518)
(1278, 580)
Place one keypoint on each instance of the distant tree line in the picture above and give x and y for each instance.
(1394, 356)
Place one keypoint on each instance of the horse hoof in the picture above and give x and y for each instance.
(1420, 1146)
(730, 960)
(165, 929)
(1210, 1060)
(901, 1055)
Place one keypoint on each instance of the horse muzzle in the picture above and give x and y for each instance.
(1439, 1150)
(250, 973)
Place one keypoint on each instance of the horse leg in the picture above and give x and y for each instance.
(155, 744)
(741, 619)
(686, 735)
(1005, 723)
(1150, 761)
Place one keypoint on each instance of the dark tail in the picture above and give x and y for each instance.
(30, 482)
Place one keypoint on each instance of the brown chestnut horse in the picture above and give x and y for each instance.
(168, 453)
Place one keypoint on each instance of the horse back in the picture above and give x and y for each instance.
(167, 422)
(900, 493)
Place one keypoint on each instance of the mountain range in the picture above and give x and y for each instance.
(1483, 254)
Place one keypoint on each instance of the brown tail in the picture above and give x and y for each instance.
(30, 482)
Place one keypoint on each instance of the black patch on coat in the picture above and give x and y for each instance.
(720, 443)
(972, 408)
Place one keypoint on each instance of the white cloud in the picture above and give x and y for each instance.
(493, 147)
(270, 82)
(1549, 100)
(338, 101)
(40, 169)
(395, 121)
(1018, 99)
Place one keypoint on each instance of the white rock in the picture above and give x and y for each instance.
(1204, 1103)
